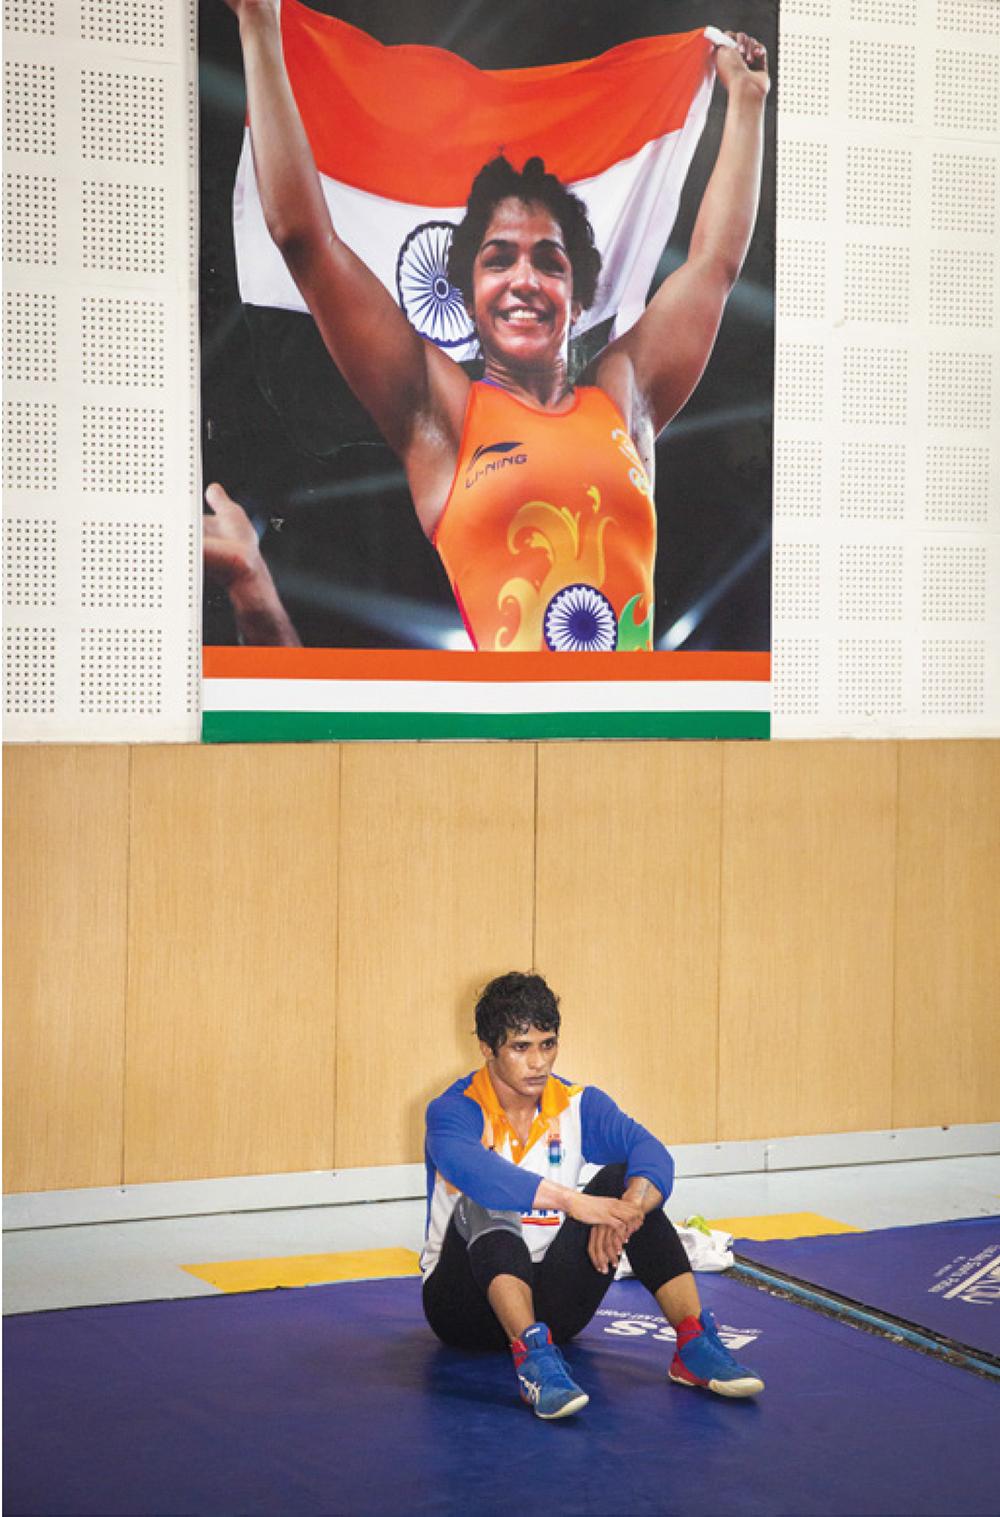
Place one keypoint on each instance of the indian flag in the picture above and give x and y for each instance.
(399, 134)
(285, 695)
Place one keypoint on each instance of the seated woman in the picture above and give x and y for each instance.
(536, 493)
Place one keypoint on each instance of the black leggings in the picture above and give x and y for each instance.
(566, 1288)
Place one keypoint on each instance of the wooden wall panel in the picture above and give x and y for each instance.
(232, 961)
(947, 1063)
(436, 897)
(65, 874)
(628, 922)
(805, 1015)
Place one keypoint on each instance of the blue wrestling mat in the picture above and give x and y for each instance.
(943, 1277)
(337, 1400)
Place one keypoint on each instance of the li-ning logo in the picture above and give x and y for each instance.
(506, 457)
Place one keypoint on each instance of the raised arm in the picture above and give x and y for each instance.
(394, 373)
(667, 349)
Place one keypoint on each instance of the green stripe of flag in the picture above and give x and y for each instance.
(361, 726)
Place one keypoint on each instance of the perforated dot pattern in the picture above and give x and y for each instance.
(29, 219)
(193, 453)
(954, 583)
(122, 565)
(873, 481)
(29, 107)
(123, 341)
(798, 477)
(876, 282)
(29, 562)
(953, 676)
(966, 90)
(803, 181)
(35, 18)
(796, 580)
(957, 491)
(969, 16)
(885, 12)
(193, 697)
(194, 545)
(818, 8)
(962, 287)
(29, 320)
(29, 461)
(871, 582)
(193, 225)
(192, 125)
(796, 676)
(124, 23)
(963, 192)
(124, 227)
(804, 83)
(100, 228)
(121, 671)
(960, 390)
(881, 81)
(29, 675)
(870, 676)
(876, 385)
(123, 450)
(123, 118)
(879, 186)
(798, 385)
(801, 278)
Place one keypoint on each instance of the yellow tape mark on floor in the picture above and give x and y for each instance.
(792, 1224)
(232, 1275)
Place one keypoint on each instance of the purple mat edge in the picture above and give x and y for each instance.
(785, 1256)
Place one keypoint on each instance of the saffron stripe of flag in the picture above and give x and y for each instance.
(261, 663)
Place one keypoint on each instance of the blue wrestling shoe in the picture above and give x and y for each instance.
(703, 1359)
(542, 1375)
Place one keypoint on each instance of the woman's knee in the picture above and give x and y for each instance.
(609, 1181)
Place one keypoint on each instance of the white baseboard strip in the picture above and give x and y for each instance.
(400, 1182)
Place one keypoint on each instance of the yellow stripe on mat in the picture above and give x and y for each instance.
(232, 1275)
(791, 1224)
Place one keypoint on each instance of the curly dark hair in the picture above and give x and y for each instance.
(499, 180)
(512, 1003)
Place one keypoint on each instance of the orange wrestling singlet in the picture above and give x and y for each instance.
(549, 532)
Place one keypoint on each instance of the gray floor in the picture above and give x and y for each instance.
(45, 1268)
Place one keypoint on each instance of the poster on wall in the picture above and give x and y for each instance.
(487, 322)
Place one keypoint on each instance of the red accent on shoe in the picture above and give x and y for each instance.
(688, 1329)
(680, 1371)
(520, 1349)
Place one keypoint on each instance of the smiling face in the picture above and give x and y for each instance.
(522, 283)
(522, 1064)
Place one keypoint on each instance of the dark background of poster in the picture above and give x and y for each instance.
(286, 437)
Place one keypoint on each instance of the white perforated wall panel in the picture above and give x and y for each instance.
(887, 475)
(100, 369)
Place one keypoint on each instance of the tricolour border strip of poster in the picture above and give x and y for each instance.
(295, 695)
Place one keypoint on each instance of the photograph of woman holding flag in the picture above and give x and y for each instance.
(449, 310)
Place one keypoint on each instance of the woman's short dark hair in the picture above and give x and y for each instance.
(499, 180)
(513, 1003)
